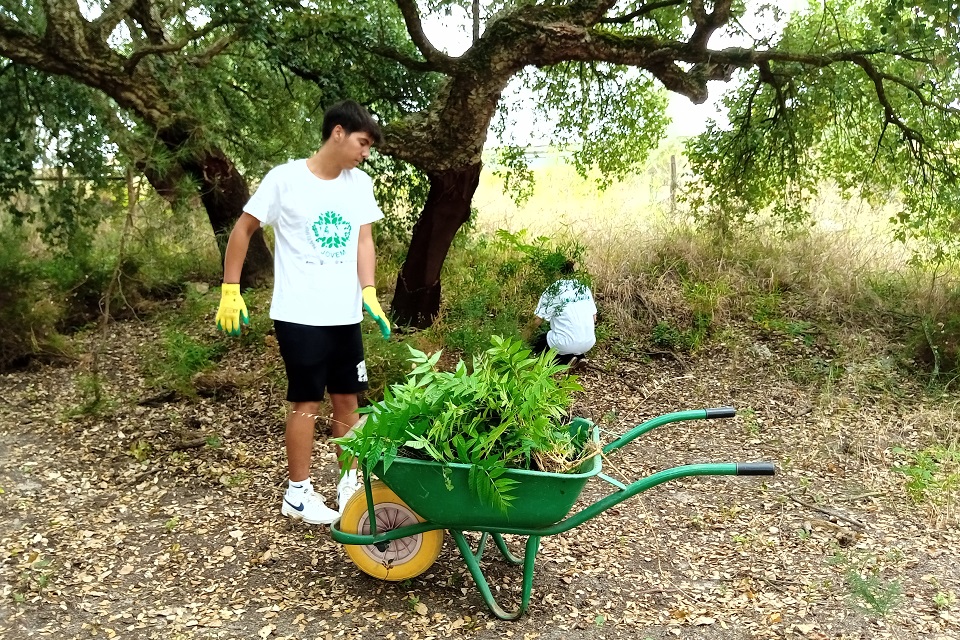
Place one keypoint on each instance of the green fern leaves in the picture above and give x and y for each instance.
(502, 412)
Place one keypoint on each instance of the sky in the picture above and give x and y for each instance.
(451, 34)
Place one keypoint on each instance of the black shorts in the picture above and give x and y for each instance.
(318, 358)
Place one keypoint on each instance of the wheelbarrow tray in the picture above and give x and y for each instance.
(541, 498)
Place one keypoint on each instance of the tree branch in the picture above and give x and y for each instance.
(707, 24)
(145, 14)
(642, 11)
(24, 48)
(215, 49)
(172, 47)
(589, 12)
(411, 17)
(112, 16)
(889, 113)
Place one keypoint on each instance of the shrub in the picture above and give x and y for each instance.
(28, 313)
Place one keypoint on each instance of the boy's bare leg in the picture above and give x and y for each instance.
(299, 439)
(344, 413)
(344, 417)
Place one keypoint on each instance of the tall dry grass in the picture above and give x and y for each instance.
(638, 248)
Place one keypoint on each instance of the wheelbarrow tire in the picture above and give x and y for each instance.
(404, 558)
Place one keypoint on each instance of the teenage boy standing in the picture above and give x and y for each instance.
(321, 209)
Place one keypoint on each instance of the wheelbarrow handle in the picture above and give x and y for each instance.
(720, 412)
(756, 469)
(667, 418)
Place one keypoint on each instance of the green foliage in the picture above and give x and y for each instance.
(874, 595)
(140, 450)
(386, 360)
(666, 336)
(862, 574)
(518, 179)
(546, 256)
(817, 371)
(768, 316)
(504, 412)
(28, 320)
(704, 299)
(933, 473)
(492, 286)
(609, 116)
(34, 576)
(177, 358)
(94, 400)
(934, 343)
(54, 123)
(401, 189)
(884, 126)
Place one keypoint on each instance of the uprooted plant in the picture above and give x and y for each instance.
(506, 411)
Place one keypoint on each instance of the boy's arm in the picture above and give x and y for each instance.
(232, 313)
(237, 246)
(366, 257)
(366, 272)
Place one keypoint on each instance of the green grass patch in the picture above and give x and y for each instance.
(932, 474)
(178, 357)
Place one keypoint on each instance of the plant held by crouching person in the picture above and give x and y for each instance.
(508, 410)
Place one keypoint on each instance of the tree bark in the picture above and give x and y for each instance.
(223, 193)
(416, 300)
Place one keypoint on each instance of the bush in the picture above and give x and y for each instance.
(28, 311)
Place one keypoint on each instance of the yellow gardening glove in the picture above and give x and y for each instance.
(232, 312)
(372, 306)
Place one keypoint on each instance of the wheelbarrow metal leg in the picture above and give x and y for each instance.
(512, 559)
(473, 564)
(481, 546)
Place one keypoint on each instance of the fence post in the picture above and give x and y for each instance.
(673, 183)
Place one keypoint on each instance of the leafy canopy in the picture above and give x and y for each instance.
(884, 126)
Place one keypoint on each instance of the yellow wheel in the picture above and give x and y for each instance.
(403, 558)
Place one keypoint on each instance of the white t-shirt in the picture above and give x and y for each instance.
(569, 307)
(316, 225)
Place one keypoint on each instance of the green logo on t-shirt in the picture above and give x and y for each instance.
(332, 233)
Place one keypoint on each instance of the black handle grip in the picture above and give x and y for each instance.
(721, 412)
(756, 469)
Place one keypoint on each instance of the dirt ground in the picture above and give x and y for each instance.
(160, 518)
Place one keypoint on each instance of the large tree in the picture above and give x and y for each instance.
(190, 92)
(146, 73)
(889, 67)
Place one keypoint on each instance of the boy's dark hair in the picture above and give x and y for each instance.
(353, 117)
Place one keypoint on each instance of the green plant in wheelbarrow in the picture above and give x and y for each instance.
(507, 411)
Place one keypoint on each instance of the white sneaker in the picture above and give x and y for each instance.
(307, 506)
(348, 485)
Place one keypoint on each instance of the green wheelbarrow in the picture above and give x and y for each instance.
(394, 529)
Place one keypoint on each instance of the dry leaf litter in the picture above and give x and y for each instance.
(187, 541)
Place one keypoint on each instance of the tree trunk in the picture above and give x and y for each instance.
(223, 192)
(416, 300)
